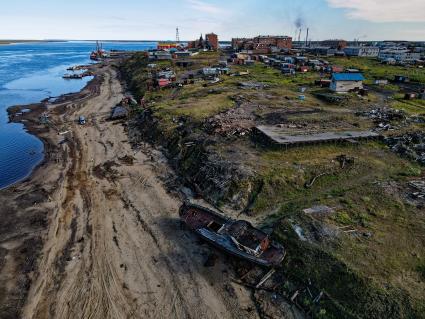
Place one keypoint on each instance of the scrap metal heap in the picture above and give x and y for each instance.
(411, 146)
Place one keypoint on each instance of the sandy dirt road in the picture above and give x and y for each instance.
(114, 247)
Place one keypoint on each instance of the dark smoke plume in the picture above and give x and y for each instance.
(299, 22)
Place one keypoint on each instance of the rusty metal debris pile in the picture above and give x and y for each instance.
(411, 146)
(234, 122)
(384, 117)
(419, 187)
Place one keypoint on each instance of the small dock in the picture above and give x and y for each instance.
(276, 136)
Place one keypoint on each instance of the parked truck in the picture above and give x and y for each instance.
(82, 120)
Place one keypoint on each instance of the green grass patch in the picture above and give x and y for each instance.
(362, 204)
(266, 74)
(373, 69)
(413, 107)
(196, 108)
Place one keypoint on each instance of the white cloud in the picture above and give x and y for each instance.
(203, 6)
(383, 10)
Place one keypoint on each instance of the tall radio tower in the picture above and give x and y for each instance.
(177, 35)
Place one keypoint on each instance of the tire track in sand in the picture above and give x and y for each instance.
(156, 270)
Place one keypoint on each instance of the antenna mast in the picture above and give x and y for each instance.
(177, 35)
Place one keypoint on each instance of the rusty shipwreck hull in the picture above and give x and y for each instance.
(236, 237)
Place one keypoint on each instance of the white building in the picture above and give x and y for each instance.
(371, 52)
(210, 71)
(346, 82)
(399, 55)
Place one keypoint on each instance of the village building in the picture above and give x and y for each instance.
(381, 82)
(210, 71)
(163, 82)
(280, 42)
(316, 65)
(166, 74)
(399, 55)
(262, 44)
(288, 70)
(335, 44)
(335, 69)
(346, 82)
(289, 59)
(212, 41)
(160, 55)
(182, 54)
(166, 46)
(238, 43)
(301, 60)
(164, 78)
(184, 63)
(214, 71)
(322, 50)
(209, 43)
(303, 68)
(370, 52)
(401, 79)
(352, 70)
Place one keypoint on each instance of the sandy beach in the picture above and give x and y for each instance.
(94, 232)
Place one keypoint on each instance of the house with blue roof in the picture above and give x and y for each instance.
(347, 82)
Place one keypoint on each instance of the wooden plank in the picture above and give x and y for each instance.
(265, 278)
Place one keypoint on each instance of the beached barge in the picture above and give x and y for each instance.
(236, 237)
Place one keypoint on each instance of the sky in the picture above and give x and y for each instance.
(366, 20)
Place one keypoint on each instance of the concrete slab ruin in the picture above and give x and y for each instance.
(277, 136)
(319, 210)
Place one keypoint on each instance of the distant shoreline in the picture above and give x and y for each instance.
(6, 42)
(9, 42)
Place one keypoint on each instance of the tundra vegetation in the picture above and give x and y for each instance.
(368, 255)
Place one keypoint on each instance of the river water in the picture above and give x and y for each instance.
(29, 73)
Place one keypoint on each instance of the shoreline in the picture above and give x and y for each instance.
(25, 214)
(97, 227)
(9, 42)
(15, 115)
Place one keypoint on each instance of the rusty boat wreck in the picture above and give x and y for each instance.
(236, 237)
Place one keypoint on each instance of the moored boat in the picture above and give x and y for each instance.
(73, 76)
(236, 237)
(99, 53)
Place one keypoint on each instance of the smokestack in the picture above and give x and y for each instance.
(306, 38)
(299, 36)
